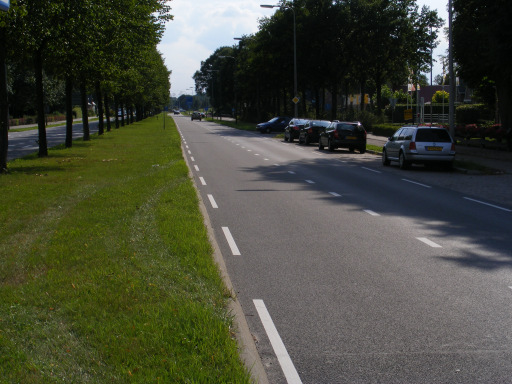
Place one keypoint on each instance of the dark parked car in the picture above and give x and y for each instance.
(310, 133)
(342, 134)
(420, 145)
(292, 131)
(277, 124)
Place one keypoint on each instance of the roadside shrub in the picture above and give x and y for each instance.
(441, 97)
(472, 113)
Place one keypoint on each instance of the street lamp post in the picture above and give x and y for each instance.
(220, 94)
(295, 96)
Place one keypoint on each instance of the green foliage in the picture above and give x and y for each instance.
(441, 97)
(472, 113)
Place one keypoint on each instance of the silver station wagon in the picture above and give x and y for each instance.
(419, 145)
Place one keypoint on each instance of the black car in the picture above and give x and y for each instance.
(342, 134)
(277, 124)
(292, 131)
(310, 133)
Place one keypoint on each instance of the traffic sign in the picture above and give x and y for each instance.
(295, 99)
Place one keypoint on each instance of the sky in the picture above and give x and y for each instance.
(201, 26)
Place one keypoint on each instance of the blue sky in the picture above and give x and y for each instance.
(201, 26)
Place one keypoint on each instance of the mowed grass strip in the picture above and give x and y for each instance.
(106, 271)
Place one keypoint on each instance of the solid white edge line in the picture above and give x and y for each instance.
(196, 168)
(201, 179)
(370, 212)
(490, 205)
(212, 201)
(231, 242)
(414, 182)
(429, 242)
(291, 374)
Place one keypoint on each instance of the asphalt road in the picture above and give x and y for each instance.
(25, 143)
(351, 272)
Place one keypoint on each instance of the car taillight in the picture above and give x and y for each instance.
(310, 130)
(296, 127)
(412, 146)
(453, 147)
(336, 134)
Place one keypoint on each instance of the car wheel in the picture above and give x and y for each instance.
(306, 140)
(291, 139)
(330, 146)
(320, 145)
(404, 164)
(385, 160)
(268, 130)
(362, 149)
(285, 138)
(351, 149)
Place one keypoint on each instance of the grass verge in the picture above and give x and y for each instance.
(106, 271)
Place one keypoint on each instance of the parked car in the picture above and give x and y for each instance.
(293, 128)
(195, 116)
(342, 134)
(419, 145)
(310, 133)
(277, 124)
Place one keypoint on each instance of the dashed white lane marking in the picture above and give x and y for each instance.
(196, 168)
(310, 182)
(335, 194)
(212, 201)
(265, 159)
(201, 179)
(192, 158)
(429, 242)
(490, 205)
(291, 172)
(231, 242)
(284, 359)
(189, 152)
(371, 170)
(256, 154)
(414, 182)
(370, 212)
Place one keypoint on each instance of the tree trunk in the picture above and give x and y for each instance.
(85, 111)
(41, 128)
(107, 112)
(504, 90)
(116, 109)
(69, 112)
(334, 95)
(4, 106)
(99, 100)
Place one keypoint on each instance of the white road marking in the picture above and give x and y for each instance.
(310, 182)
(490, 205)
(189, 152)
(371, 170)
(201, 179)
(414, 182)
(335, 194)
(212, 201)
(371, 212)
(265, 159)
(256, 154)
(284, 359)
(429, 242)
(196, 168)
(231, 242)
(192, 158)
(291, 172)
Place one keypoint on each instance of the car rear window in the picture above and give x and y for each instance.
(433, 135)
(346, 127)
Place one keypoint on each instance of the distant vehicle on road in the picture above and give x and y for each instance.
(195, 116)
(293, 128)
(342, 134)
(310, 133)
(277, 124)
(419, 145)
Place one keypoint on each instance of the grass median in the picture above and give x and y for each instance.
(106, 271)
